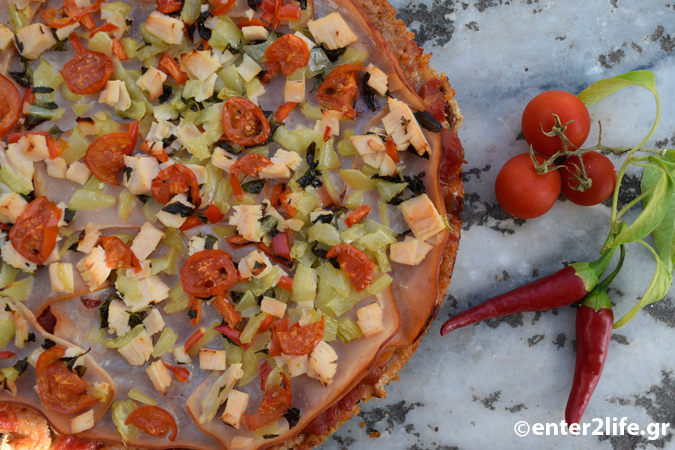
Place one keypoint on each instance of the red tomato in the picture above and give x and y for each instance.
(244, 123)
(154, 421)
(208, 273)
(270, 69)
(118, 255)
(251, 165)
(60, 388)
(88, 71)
(274, 405)
(521, 192)
(357, 215)
(340, 90)
(35, 232)
(354, 263)
(568, 107)
(290, 51)
(73, 12)
(105, 156)
(176, 179)
(214, 214)
(600, 171)
(298, 340)
(225, 309)
(10, 106)
(182, 374)
(7, 355)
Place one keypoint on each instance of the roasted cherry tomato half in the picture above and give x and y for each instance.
(60, 388)
(599, 169)
(118, 255)
(88, 72)
(354, 263)
(274, 405)
(154, 421)
(244, 123)
(290, 51)
(105, 156)
(537, 115)
(523, 193)
(251, 165)
(298, 340)
(35, 232)
(340, 90)
(176, 179)
(208, 273)
(10, 106)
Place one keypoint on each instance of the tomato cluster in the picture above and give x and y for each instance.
(523, 192)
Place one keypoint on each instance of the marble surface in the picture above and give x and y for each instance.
(469, 389)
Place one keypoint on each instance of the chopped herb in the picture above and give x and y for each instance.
(334, 262)
(191, 31)
(127, 171)
(21, 366)
(144, 69)
(32, 122)
(321, 253)
(7, 308)
(48, 343)
(210, 241)
(143, 198)
(55, 132)
(104, 310)
(415, 184)
(178, 208)
(318, 79)
(292, 416)
(71, 360)
(264, 351)
(136, 318)
(168, 141)
(394, 179)
(324, 218)
(60, 46)
(81, 370)
(258, 265)
(412, 150)
(238, 49)
(234, 149)
(28, 197)
(166, 93)
(253, 4)
(254, 187)
(333, 55)
(192, 313)
(128, 22)
(405, 122)
(42, 90)
(303, 4)
(270, 436)
(428, 121)
(369, 94)
(312, 176)
(49, 105)
(202, 217)
(20, 77)
(203, 31)
(68, 215)
(236, 296)
(31, 337)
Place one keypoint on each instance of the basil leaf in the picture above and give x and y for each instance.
(604, 88)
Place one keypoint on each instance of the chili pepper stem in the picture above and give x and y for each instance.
(597, 298)
(590, 273)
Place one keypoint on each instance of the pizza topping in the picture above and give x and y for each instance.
(207, 273)
(154, 421)
(33, 40)
(10, 106)
(244, 123)
(340, 90)
(88, 71)
(35, 232)
(332, 31)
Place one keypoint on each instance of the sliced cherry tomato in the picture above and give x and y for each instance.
(10, 106)
(35, 232)
(72, 10)
(390, 147)
(119, 51)
(357, 215)
(599, 169)
(182, 374)
(105, 156)
(244, 123)
(213, 214)
(7, 355)
(73, 13)
(154, 421)
(290, 51)
(221, 7)
(434, 99)
(118, 255)
(340, 90)
(106, 28)
(251, 165)
(169, 6)
(192, 340)
(225, 309)
(270, 69)
(281, 246)
(176, 179)
(289, 12)
(60, 388)
(88, 71)
(190, 223)
(169, 65)
(237, 240)
(537, 120)
(195, 310)
(298, 340)
(523, 193)
(208, 273)
(274, 405)
(284, 110)
(286, 283)
(232, 334)
(354, 263)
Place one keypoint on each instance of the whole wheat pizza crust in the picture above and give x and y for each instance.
(416, 68)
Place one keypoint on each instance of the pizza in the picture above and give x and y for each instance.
(224, 223)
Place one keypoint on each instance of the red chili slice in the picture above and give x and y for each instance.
(225, 309)
(357, 215)
(182, 374)
(214, 214)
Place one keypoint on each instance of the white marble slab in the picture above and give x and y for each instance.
(469, 389)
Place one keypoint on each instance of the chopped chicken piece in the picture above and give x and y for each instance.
(422, 217)
(387, 166)
(57, 167)
(116, 95)
(255, 264)
(294, 91)
(91, 237)
(83, 422)
(118, 317)
(14, 258)
(329, 119)
(322, 363)
(403, 127)
(146, 241)
(138, 351)
(61, 277)
(378, 80)
(181, 356)
(199, 64)
(411, 251)
(187, 132)
(12, 206)
(144, 170)
(248, 68)
(297, 365)
(255, 33)
(6, 38)
(332, 31)
(152, 81)
(166, 28)
(22, 332)
(34, 40)
(247, 220)
(283, 162)
(93, 268)
(78, 172)
(236, 405)
(273, 307)
(174, 220)
(370, 320)
(310, 43)
(154, 323)
(159, 376)
(34, 146)
(222, 159)
(212, 359)
(19, 165)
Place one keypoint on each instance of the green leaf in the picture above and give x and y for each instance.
(604, 88)
(658, 288)
(664, 233)
(654, 211)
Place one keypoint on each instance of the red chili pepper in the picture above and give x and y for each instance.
(232, 334)
(191, 222)
(192, 340)
(286, 283)
(559, 289)
(182, 374)
(594, 332)
(357, 215)
(7, 355)
(214, 214)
